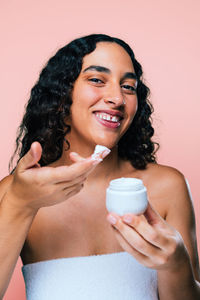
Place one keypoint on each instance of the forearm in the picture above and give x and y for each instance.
(14, 226)
(178, 285)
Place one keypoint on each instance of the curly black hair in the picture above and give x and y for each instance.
(50, 100)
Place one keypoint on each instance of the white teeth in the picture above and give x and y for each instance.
(114, 119)
(107, 117)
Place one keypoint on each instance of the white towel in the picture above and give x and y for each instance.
(115, 276)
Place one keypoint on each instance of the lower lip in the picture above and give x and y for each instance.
(108, 124)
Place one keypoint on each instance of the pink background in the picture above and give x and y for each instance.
(165, 38)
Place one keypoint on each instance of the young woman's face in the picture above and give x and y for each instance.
(104, 100)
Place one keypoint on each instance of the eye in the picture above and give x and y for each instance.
(95, 80)
(129, 88)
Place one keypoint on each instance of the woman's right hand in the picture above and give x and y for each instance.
(33, 186)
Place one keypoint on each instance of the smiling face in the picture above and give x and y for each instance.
(104, 100)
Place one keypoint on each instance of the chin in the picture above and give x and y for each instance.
(105, 139)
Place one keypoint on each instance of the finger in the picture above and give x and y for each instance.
(148, 262)
(135, 240)
(31, 158)
(79, 179)
(75, 157)
(128, 248)
(151, 234)
(73, 190)
(66, 173)
(74, 186)
(102, 154)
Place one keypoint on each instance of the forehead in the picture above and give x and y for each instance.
(109, 55)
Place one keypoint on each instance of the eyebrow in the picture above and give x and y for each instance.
(128, 75)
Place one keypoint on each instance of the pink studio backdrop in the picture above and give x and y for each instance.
(165, 38)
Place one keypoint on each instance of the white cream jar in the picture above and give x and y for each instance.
(126, 195)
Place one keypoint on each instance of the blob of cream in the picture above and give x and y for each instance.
(100, 152)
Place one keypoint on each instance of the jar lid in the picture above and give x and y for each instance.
(124, 183)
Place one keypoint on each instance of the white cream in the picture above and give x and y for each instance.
(126, 195)
(99, 149)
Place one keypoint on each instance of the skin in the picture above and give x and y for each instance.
(163, 238)
(94, 91)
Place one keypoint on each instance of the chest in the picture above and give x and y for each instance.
(76, 227)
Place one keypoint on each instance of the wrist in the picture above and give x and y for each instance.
(179, 284)
(180, 272)
(16, 207)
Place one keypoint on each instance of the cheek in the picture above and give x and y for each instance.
(83, 99)
(86, 97)
(133, 107)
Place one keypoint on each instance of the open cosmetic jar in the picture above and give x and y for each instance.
(126, 195)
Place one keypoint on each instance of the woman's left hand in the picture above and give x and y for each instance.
(150, 239)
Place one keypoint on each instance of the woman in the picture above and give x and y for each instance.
(53, 204)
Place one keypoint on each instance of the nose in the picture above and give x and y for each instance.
(118, 101)
(114, 96)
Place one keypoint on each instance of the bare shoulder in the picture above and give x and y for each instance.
(166, 174)
(163, 180)
(4, 184)
(172, 187)
(166, 187)
(171, 194)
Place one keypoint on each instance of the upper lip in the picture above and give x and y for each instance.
(111, 112)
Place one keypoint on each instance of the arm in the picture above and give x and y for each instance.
(25, 192)
(14, 226)
(167, 246)
(183, 282)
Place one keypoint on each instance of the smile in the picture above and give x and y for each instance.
(108, 120)
(107, 117)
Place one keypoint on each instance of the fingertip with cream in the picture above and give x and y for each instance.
(105, 153)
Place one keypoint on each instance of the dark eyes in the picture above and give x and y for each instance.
(125, 86)
(129, 87)
(96, 80)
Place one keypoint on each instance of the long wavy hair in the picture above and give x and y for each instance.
(50, 101)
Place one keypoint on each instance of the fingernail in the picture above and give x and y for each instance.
(105, 153)
(112, 219)
(101, 155)
(127, 218)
